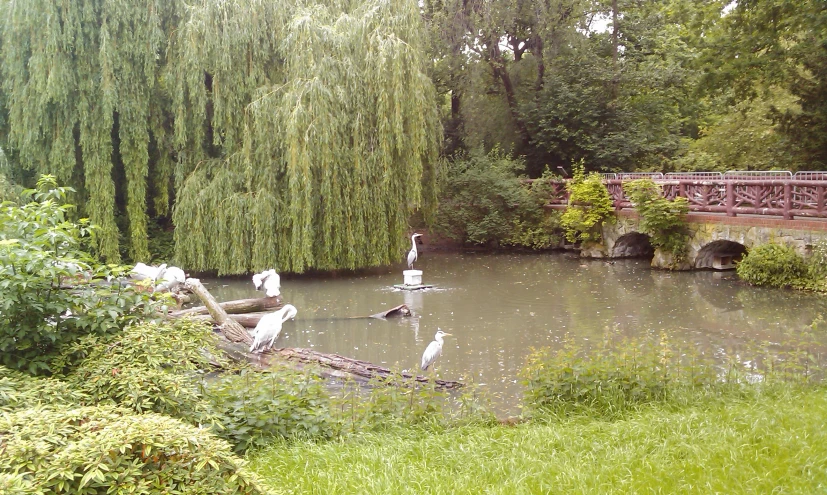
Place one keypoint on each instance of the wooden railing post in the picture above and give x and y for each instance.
(788, 200)
(730, 198)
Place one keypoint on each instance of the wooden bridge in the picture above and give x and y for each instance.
(729, 213)
(780, 194)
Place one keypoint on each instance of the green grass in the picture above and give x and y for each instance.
(759, 445)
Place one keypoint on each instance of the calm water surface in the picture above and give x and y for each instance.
(500, 306)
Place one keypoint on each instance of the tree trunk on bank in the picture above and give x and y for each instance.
(238, 306)
(229, 327)
(330, 365)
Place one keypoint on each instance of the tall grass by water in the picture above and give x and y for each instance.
(623, 416)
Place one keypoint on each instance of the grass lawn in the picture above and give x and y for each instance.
(761, 445)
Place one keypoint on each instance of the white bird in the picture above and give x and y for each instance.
(268, 281)
(160, 273)
(412, 254)
(434, 350)
(269, 327)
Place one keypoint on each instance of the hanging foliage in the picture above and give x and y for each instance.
(78, 82)
(322, 129)
(291, 135)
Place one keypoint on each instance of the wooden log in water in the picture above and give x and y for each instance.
(239, 306)
(250, 320)
(329, 365)
(231, 329)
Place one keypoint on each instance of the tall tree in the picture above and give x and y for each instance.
(295, 134)
(70, 71)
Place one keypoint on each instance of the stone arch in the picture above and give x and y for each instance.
(633, 245)
(720, 255)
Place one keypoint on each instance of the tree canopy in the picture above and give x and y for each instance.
(293, 135)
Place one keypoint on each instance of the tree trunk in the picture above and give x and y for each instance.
(498, 66)
(239, 306)
(331, 365)
(229, 327)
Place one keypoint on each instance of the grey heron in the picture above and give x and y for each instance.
(434, 350)
(268, 281)
(269, 327)
(412, 254)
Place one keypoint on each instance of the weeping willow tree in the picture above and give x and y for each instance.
(294, 135)
(306, 133)
(80, 92)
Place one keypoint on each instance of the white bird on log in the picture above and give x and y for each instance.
(269, 327)
(434, 350)
(412, 254)
(268, 281)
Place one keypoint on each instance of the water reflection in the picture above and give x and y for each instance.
(500, 306)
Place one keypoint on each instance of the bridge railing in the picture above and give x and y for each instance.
(781, 194)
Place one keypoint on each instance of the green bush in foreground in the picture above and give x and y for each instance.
(91, 450)
(52, 291)
(773, 265)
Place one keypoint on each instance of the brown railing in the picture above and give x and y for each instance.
(749, 195)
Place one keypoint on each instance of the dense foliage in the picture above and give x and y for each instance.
(662, 219)
(485, 202)
(90, 450)
(52, 291)
(298, 134)
(778, 265)
(589, 207)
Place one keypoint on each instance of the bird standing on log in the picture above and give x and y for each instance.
(269, 327)
(434, 350)
(412, 254)
(268, 281)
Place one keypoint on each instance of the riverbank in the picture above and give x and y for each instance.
(761, 444)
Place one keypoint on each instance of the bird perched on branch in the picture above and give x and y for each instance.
(412, 254)
(269, 328)
(268, 281)
(434, 350)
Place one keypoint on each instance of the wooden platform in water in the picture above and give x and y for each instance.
(412, 287)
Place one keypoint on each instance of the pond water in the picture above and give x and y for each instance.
(500, 306)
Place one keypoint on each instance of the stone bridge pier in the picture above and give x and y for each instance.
(715, 241)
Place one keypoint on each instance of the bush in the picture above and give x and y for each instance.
(484, 201)
(92, 450)
(663, 219)
(146, 368)
(254, 408)
(774, 265)
(52, 291)
(19, 391)
(589, 206)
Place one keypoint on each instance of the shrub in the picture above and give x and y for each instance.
(483, 201)
(92, 450)
(148, 367)
(663, 219)
(773, 265)
(589, 206)
(254, 408)
(51, 290)
(19, 391)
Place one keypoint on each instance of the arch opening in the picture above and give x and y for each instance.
(633, 245)
(720, 255)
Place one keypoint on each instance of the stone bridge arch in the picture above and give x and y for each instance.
(714, 240)
(633, 245)
(719, 255)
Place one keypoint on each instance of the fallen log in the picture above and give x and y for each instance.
(329, 365)
(250, 320)
(235, 307)
(231, 329)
